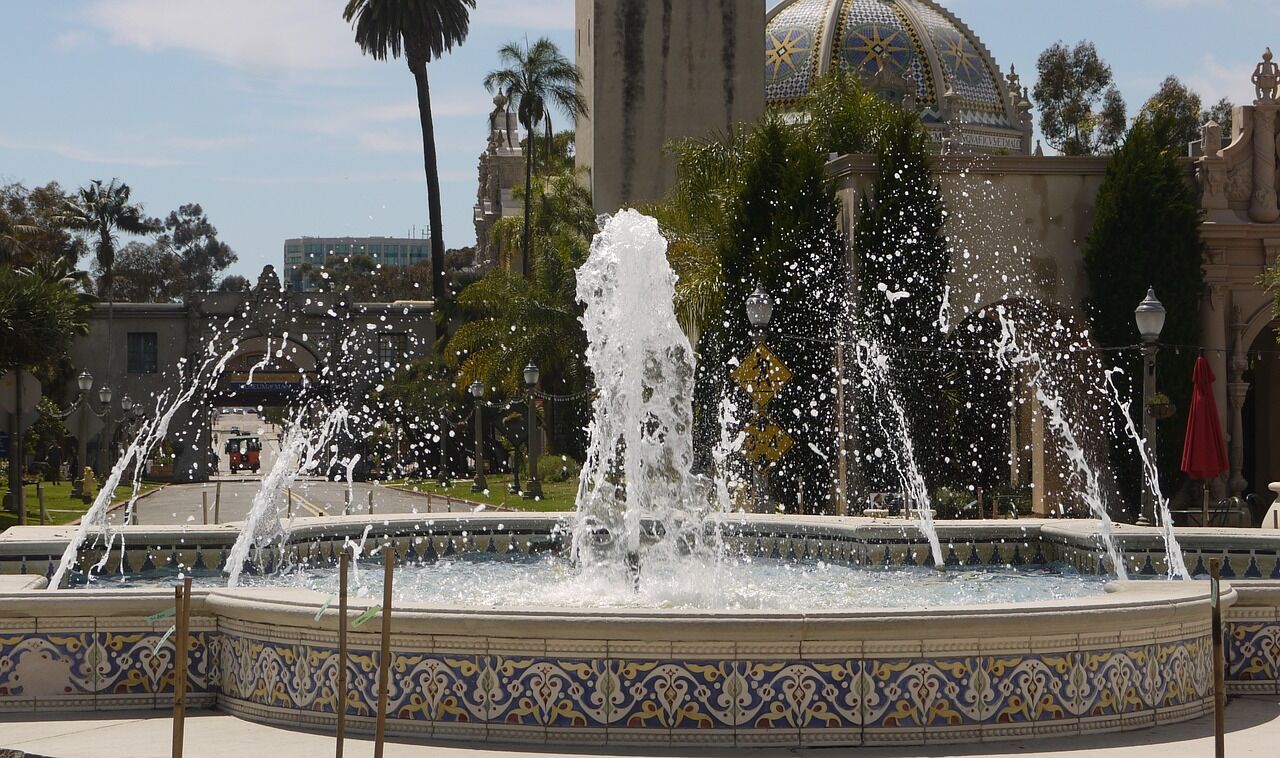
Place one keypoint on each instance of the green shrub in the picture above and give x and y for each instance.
(558, 468)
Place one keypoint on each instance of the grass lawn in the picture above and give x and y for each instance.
(556, 496)
(62, 508)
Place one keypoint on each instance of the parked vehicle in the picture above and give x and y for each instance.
(244, 452)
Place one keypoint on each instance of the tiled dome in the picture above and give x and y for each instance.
(907, 50)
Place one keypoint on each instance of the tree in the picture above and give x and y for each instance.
(1223, 112)
(789, 242)
(186, 258)
(423, 30)
(234, 283)
(143, 273)
(1180, 106)
(1073, 83)
(537, 80)
(903, 257)
(200, 255)
(41, 310)
(516, 319)
(1146, 233)
(30, 226)
(99, 211)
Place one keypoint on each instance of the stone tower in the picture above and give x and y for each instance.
(656, 70)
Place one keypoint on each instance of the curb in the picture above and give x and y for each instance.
(121, 503)
(429, 495)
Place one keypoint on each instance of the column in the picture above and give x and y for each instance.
(1040, 504)
(1237, 391)
(1262, 206)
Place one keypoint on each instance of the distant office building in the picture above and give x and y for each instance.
(313, 252)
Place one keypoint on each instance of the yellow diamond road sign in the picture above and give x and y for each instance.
(766, 440)
(762, 374)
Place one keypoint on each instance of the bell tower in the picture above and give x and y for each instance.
(658, 70)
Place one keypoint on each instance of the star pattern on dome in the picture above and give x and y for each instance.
(964, 61)
(787, 51)
(876, 48)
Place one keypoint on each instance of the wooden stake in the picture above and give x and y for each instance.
(1219, 676)
(340, 693)
(384, 665)
(217, 503)
(44, 513)
(370, 502)
(204, 506)
(181, 646)
(346, 503)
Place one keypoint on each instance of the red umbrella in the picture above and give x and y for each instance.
(1204, 454)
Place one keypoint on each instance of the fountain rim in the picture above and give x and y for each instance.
(1124, 603)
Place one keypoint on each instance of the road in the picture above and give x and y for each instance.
(230, 496)
(230, 499)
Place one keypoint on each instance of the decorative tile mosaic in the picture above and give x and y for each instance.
(792, 42)
(874, 35)
(677, 696)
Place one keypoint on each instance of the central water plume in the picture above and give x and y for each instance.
(637, 484)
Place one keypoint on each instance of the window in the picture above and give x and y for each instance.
(392, 349)
(143, 353)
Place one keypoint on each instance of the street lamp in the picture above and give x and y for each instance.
(480, 484)
(759, 314)
(1149, 316)
(533, 485)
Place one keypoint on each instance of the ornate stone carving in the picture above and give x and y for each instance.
(1211, 169)
(1266, 79)
(268, 280)
(1239, 183)
(1262, 207)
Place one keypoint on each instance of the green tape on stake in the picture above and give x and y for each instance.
(325, 607)
(165, 638)
(166, 613)
(364, 617)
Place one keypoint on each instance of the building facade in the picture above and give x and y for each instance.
(268, 347)
(499, 170)
(304, 254)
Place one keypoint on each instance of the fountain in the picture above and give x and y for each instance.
(653, 614)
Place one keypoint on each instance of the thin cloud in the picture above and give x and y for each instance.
(91, 155)
(300, 35)
(208, 144)
(1215, 80)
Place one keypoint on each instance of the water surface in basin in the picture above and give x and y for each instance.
(489, 581)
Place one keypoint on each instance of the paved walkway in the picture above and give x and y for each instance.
(1253, 729)
(184, 503)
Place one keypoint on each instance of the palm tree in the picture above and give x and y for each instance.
(537, 80)
(424, 30)
(99, 211)
(516, 319)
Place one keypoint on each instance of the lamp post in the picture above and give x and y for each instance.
(480, 483)
(104, 399)
(759, 314)
(85, 383)
(533, 485)
(1149, 316)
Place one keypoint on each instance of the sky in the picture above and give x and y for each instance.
(266, 113)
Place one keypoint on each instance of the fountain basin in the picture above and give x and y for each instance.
(1135, 656)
